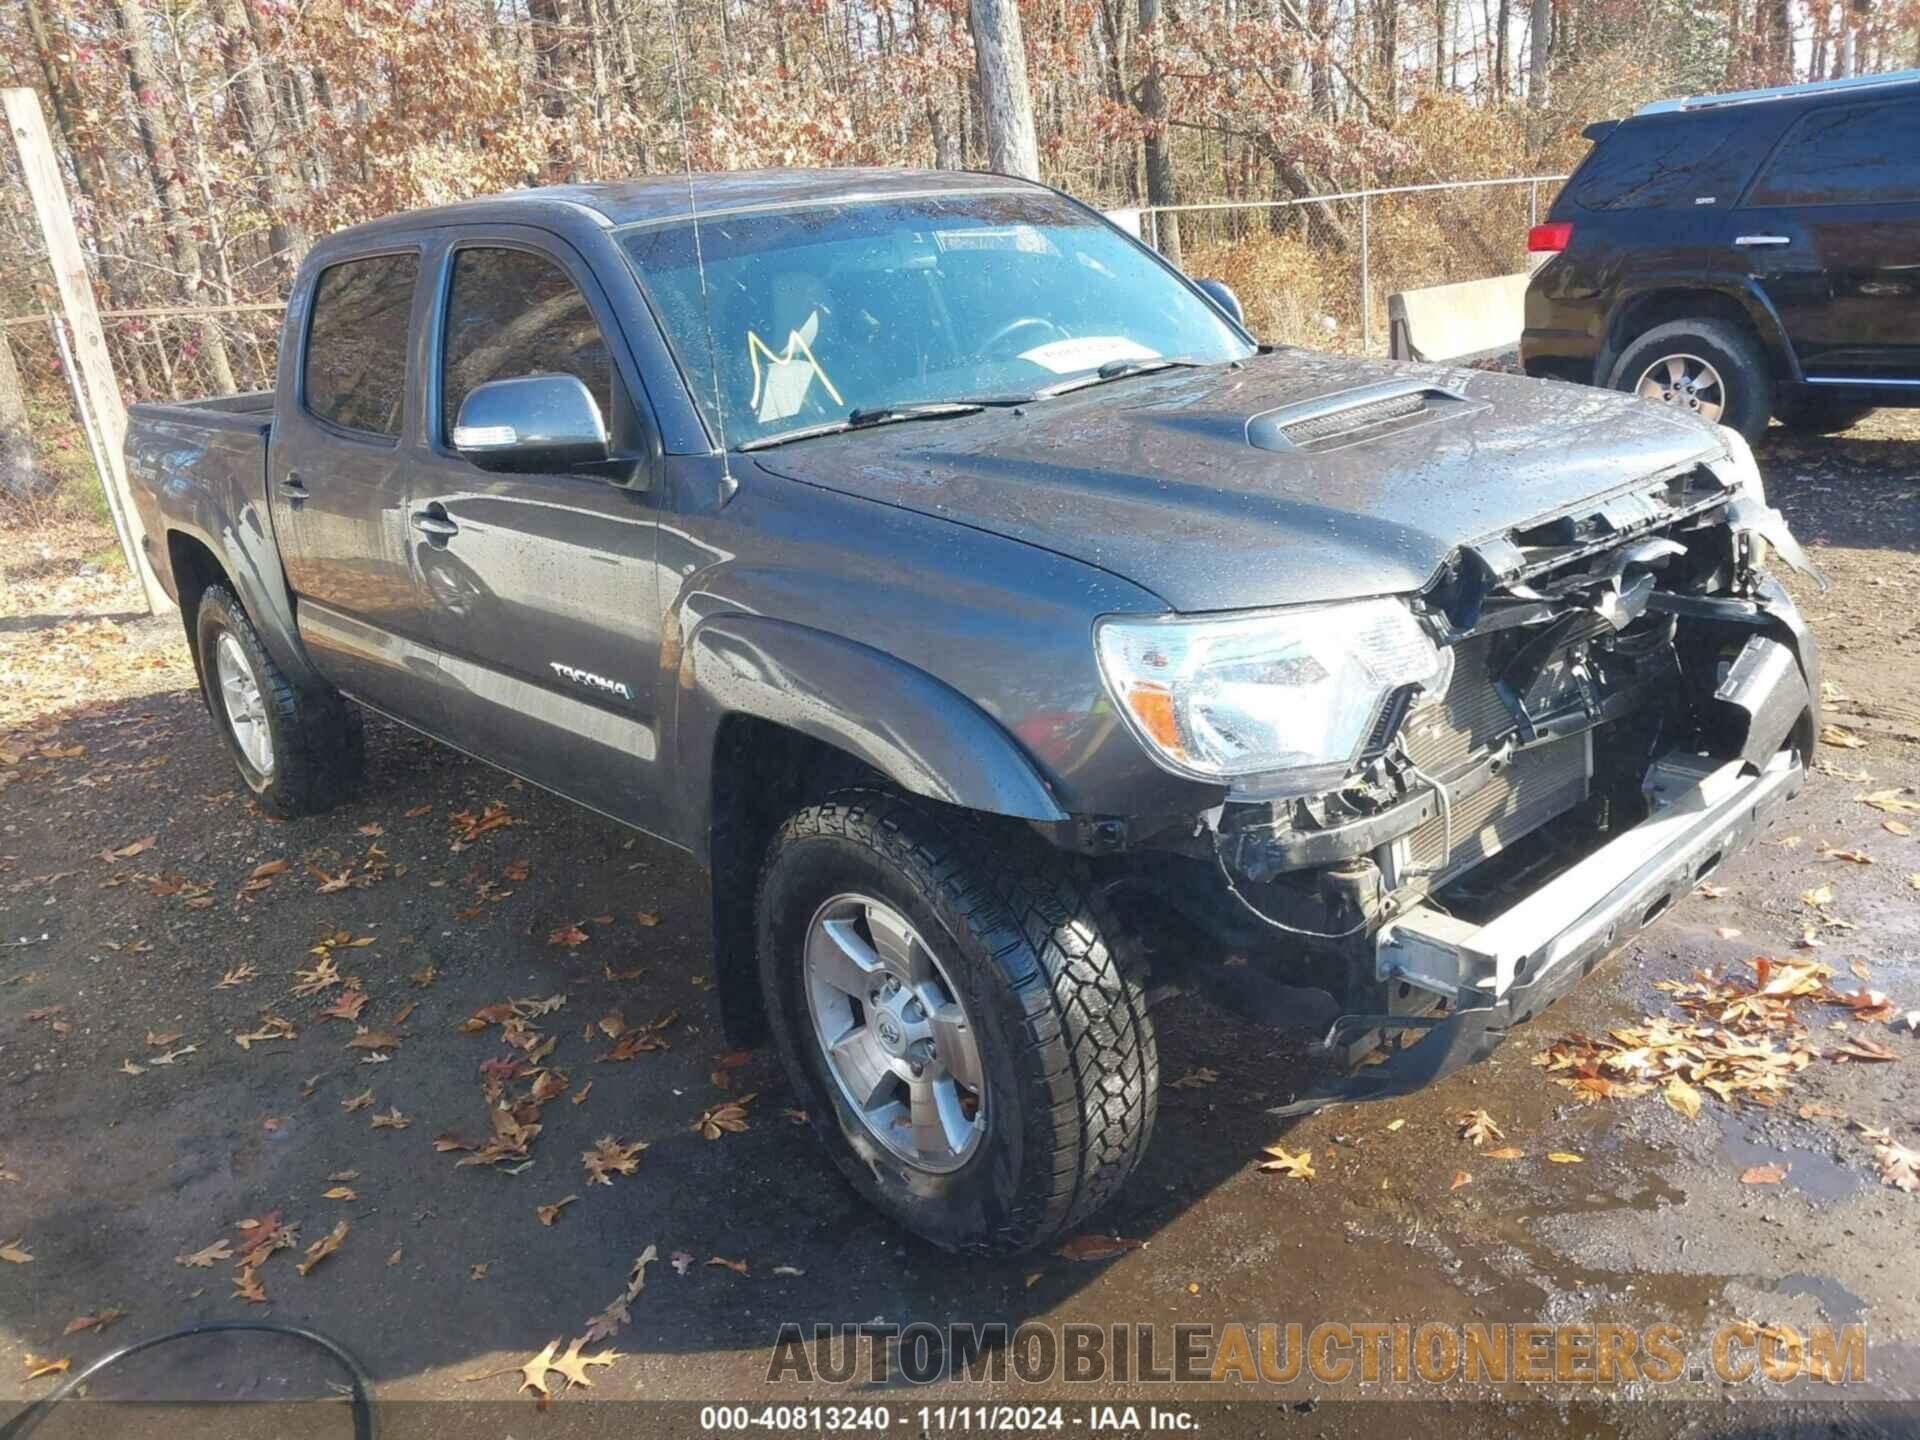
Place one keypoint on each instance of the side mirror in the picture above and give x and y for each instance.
(531, 423)
(1222, 295)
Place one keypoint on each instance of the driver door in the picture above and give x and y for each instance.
(543, 588)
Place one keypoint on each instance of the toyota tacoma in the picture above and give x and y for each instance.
(1012, 638)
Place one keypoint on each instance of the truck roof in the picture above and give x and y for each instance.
(669, 197)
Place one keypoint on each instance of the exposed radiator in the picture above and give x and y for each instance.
(1540, 783)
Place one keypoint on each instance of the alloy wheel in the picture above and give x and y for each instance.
(246, 707)
(894, 1034)
(1686, 382)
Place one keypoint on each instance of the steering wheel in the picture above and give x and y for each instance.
(992, 344)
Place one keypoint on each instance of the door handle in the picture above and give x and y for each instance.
(434, 527)
(292, 488)
(1746, 240)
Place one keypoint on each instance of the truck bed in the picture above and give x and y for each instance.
(250, 410)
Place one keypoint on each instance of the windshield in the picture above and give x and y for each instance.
(813, 314)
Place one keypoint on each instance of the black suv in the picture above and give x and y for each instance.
(1743, 256)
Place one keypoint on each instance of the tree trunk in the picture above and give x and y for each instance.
(260, 122)
(1442, 42)
(1502, 19)
(1161, 189)
(1539, 51)
(19, 480)
(169, 188)
(1000, 64)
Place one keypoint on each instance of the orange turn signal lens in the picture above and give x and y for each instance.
(1152, 706)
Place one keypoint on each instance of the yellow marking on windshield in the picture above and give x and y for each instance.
(756, 347)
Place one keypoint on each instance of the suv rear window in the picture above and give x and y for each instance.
(1666, 162)
(1863, 155)
(356, 363)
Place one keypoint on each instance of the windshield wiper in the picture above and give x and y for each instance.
(1121, 369)
(866, 417)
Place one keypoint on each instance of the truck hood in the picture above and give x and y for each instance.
(1263, 484)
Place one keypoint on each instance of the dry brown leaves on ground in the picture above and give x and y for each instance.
(618, 1312)
(729, 1118)
(1477, 1126)
(1294, 1167)
(609, 1158)
(1748, 1041)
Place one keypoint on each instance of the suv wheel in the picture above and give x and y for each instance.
(298, 751)
(1704, 367)
(952, 1013)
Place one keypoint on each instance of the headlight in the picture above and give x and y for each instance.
(1272, 704)
(1739, 469)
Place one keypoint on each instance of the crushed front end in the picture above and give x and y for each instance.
(1623, 700)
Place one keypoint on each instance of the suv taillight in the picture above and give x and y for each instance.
(1550, 238)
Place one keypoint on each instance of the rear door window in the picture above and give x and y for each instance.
(1862, 155)
(355, 373)
(512, 313)
(1667, 162)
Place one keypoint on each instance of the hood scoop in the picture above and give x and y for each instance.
(1331, 422)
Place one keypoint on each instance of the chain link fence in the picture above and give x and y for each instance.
(1317, 271)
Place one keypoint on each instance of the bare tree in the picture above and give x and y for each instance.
(18, 479)
(164, 168)
(1000, 66)
(1539, 52)
(1161, 189)
(272, 177)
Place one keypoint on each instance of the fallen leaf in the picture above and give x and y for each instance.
(1393, 1125)
(1899, 1166)
(1896, 827)
(1460, 1177)
(574, 1365)
(357, 1102)
(127, 1067)
(39, 1365)
(339, 1192)
(1852, 857)
(268, 869)
(374, 1040)
(202, 1259)
(323, 1247)
(580, 1094)
(131, 849)
(1819, 895)
(1861, 1047)
(535, 1370)
(1478, 1126)
(98, 1320)
(791, 1270)
(347, 1006)
(272, 1027)
(341, 1177)
(646, 917)
(1841, 738)
(617, 1313)
(611, 1157)
(1088, 1247)
(1195, 1079)
(157, 1041)
(726, 1119)
(682, 1261)
(1506, 1152)
(1764, 1174)
(1294, 1167)
(247, 1286)
(1564, 1157)
(392, 1120)
(550, 1213)
(739, 1267)
(1682, 1097)
(570, 936)
(394, 1258)
(479, 1272)
(238, 975)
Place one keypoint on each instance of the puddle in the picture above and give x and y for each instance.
(1841, 1305)
(1815, 1173)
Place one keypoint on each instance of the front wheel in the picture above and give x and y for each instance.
(298, 751)
(951, 1010)
(1700, 367)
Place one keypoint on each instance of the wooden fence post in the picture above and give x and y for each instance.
(48, 188)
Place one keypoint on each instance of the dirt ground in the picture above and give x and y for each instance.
(138, 1132)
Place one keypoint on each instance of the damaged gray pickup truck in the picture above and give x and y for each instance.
(1011, 637)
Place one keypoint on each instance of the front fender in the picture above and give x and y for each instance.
(917, 731)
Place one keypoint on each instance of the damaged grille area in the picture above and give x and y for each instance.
(1539, 784)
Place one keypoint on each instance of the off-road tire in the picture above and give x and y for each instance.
(1737, 356)
(1817, 416)
(1066, 1043)
(318, 743)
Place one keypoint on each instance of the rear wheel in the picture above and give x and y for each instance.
(298, 751)
(1702, 367)
(951, 1010)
